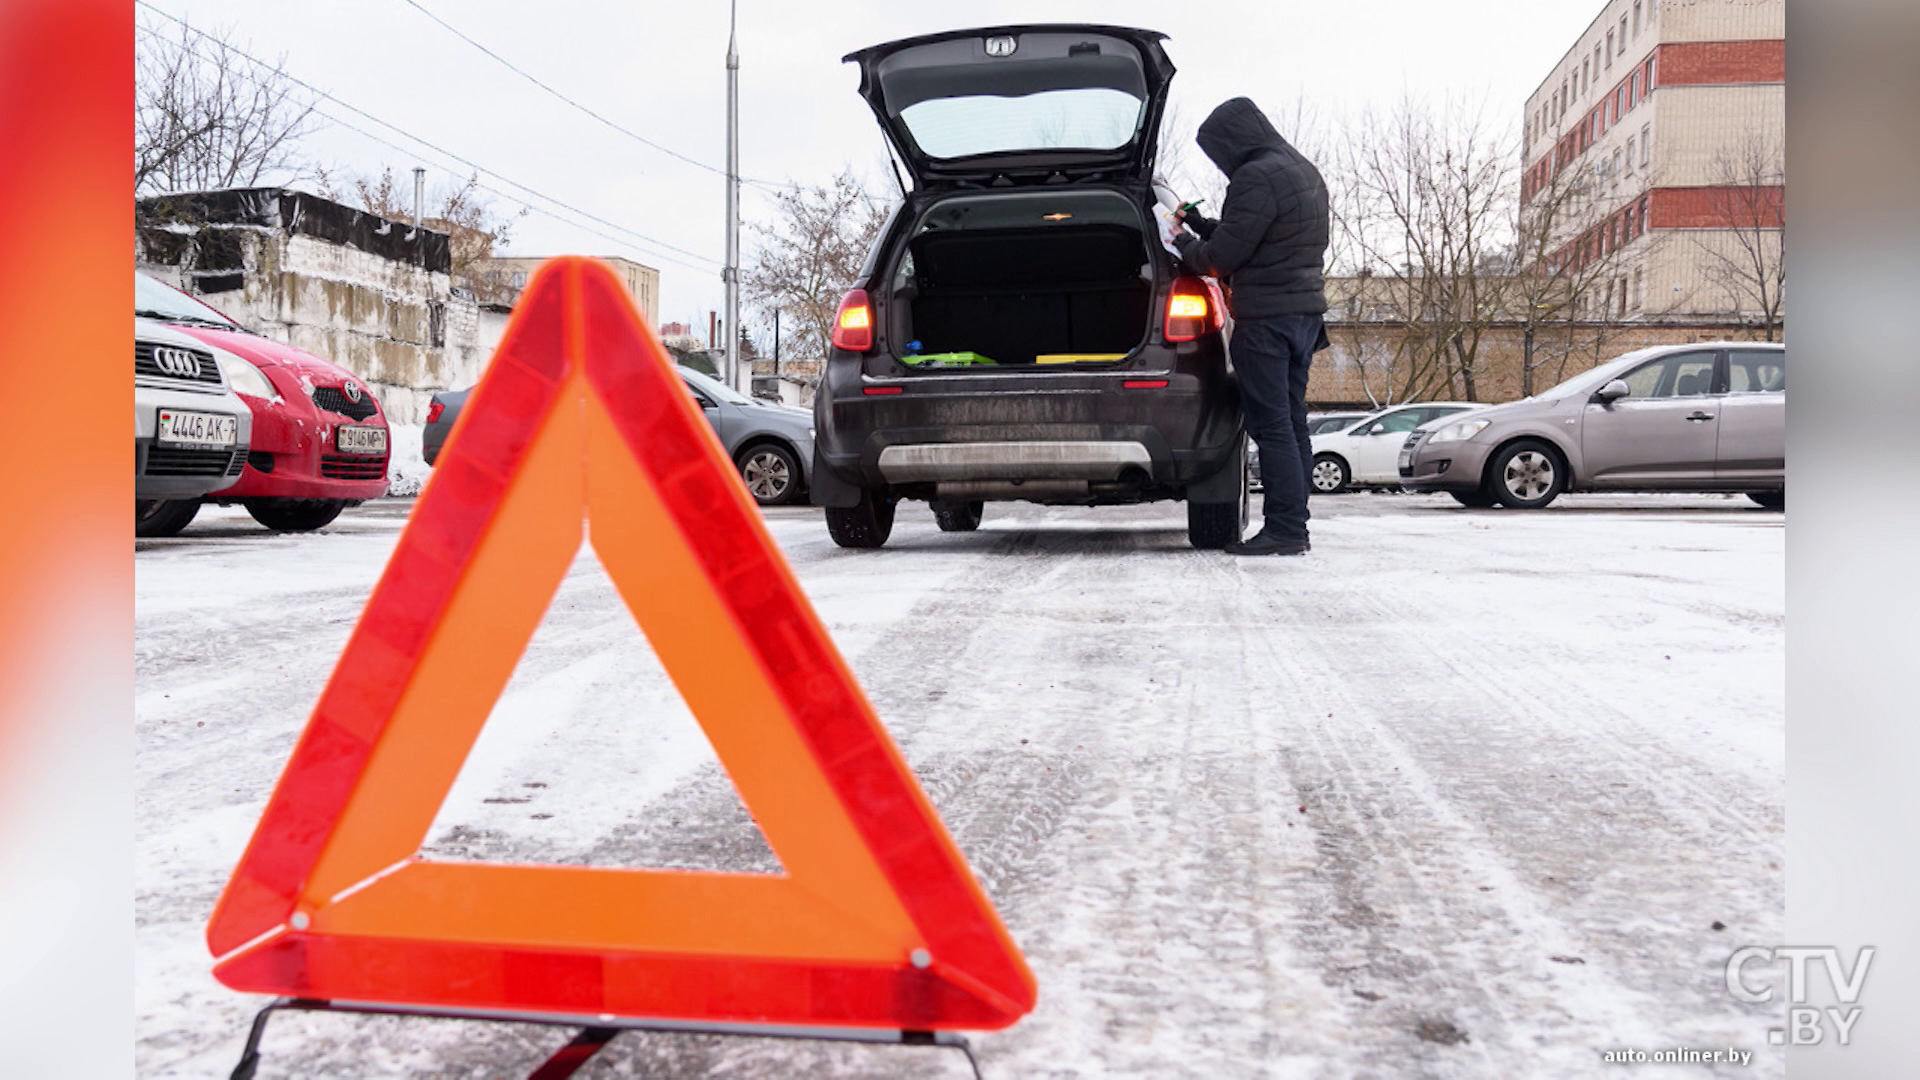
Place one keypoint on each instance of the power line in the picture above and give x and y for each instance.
(641, 237)
(535, 80)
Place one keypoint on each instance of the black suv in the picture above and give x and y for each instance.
(1018, 331)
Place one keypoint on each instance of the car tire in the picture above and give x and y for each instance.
(958, 516)
(1772, 500)
(1331, 476)
(1477, 499)
(295, 515)
(771, 472)
(163, 517)
(1527, 475)
(1212, 526)
(866, 524)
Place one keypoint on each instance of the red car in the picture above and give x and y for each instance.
(320, 441)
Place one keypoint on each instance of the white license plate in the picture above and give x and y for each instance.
(203, 429)
(360, 439)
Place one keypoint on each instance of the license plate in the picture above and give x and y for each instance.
(202, 429)
(360, 439)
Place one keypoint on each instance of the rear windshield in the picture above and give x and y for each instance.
(1051, 92)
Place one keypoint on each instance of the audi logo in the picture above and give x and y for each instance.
(180, 363)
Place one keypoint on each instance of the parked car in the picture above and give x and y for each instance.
(1317, 422)
(771, 445)
(1702, 417)
(1365, 454)
(1017, 330)
(190, 430)
(320, 442)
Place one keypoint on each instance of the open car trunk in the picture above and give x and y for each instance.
(1030, 283)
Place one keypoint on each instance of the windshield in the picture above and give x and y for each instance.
(157, 301)
(1086, 119)
(1593, 378)
(713, 387)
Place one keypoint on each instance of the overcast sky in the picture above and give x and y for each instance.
(657, 69)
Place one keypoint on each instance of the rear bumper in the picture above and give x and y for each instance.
(1167, 431)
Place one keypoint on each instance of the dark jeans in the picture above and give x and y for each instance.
(1271, 357)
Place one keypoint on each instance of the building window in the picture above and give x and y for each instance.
(1623, 35)
(1629, 157)
(1646, 213)
(1609, 49)
(1636, 20)
(1646, 144)
(1639, 288)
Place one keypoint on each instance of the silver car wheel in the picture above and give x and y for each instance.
(767, 475)
(1326, 476)
(1529, 474)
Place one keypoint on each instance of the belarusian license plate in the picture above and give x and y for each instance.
(199, 429)
(360, 439)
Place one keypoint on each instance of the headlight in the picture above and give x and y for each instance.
(1465, 429)
(246, 379)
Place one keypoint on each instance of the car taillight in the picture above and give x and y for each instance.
(853, 327)
(1193, 310)
(433, 412)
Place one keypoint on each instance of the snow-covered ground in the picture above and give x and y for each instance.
(1460, 794)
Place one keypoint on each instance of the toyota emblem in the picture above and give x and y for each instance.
(1001, 46)
(353, 391)
(180, 363)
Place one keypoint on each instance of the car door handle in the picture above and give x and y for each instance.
(1699, 417)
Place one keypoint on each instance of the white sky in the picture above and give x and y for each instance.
(658, 70)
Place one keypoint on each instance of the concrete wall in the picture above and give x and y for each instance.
(372, 315)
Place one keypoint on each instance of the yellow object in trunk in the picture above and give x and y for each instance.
(1079, 358)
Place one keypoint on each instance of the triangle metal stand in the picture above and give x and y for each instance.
(595, 1032)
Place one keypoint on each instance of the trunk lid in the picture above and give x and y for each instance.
(1019, 104)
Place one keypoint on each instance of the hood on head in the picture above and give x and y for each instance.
(1236, 131)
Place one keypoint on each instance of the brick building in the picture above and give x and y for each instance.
(501, 277)
(1667, 119)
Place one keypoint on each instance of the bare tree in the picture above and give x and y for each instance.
(1746, 256)
(809, 254)
(1425, 197)
(456, 209)
(206, 117)
(1568, 236)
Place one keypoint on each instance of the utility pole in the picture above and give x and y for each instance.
(730, 274)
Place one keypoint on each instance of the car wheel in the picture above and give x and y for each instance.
(1330, 475)
(771, 473)
(1212, 526)
(958, 516)
(295, 515)
(864, 525)
(1477, 498)
(1772, 500)
(163, 517)
(1527, 476)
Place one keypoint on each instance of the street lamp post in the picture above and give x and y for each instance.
(730, 274)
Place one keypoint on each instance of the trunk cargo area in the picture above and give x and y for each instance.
(984, 299)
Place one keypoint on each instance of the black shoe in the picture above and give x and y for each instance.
(1266, 543)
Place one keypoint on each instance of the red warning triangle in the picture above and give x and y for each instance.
(876, 920)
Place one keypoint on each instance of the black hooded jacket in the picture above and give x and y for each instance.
(1270, 243)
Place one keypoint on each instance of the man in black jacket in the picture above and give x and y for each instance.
(1269, 248)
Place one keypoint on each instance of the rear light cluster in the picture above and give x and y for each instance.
(1194, 309)
(853, 326)
(434, 410)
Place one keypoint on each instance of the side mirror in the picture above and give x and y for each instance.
(1613, 391)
